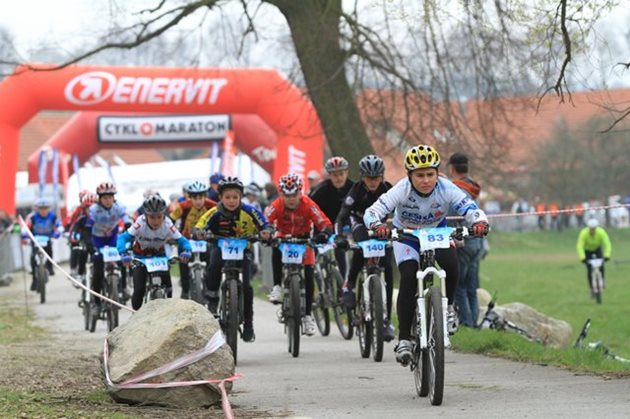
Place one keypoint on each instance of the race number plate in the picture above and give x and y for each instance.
(42, 240)
(434, 238)
(232, 249)
(292, 253)
(373, 248)
(199, 246)
(110, 254)
(156, 264)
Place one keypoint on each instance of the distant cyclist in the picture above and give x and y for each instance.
(42, 222)
(329, 195)
(593, 243)
(422, 200)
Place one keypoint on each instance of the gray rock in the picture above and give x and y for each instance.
(552, 332)
(160, 332)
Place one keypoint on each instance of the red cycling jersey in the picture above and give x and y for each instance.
(298, 222)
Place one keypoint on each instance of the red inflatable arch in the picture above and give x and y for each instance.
(79, 137)
(281, 105)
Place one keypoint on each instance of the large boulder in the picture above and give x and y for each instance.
(160, 332)
(552, 332)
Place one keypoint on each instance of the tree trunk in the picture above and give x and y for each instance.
(315, 31)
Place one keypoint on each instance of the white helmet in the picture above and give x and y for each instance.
(592, 223)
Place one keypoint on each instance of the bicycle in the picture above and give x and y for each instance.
(157, 267)
(197, 271)
(231, 296)
(597, 278)
(40, 274)
(597, 345)
(370, 312)
(328, 285)
(293, 288)
(492, 320)
(111, 289)
(429, 332)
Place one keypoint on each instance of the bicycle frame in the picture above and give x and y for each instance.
(421, 275)
(371, 267)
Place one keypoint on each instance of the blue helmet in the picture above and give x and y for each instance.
(216, 178)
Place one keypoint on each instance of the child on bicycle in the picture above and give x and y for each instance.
(78, 235)
(296, 214)
(592, 243)
(148, 237)
(189, 212)
(42, 222)
(420, 200)
(232, 218)
(361, 196)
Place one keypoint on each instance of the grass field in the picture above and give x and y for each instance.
(541, 269)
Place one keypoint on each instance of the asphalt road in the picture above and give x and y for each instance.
(330, 379)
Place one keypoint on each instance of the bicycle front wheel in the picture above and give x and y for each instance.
(112, 282)
(364, 327)
(231, 316)
(376, 311)
(597, 285)
(42, 278)
(294, 318)
(343, 315)
(196, 286)
(320, 306)
(435, 349)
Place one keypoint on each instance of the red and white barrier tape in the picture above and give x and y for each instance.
(559, 211)
(213, 344)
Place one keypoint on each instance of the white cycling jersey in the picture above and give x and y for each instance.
(411, 210)
(147, 238)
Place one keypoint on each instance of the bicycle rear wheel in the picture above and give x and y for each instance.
(435, 349)
(320, 305)
(364, 327)
(376, 310)
(343, 315)
(294, 318)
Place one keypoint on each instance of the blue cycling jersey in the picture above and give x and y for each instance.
(43, 226)
(104, 221)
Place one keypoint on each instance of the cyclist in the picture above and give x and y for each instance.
(42, 222)
(422, 199)
(296, 214)
(77, 234)
(329, 195)
(232, 218)
(189, 213)
(593, 242)
(148, 236)
(102, 227)
(363, 194)
(213, 192)
(73, 239)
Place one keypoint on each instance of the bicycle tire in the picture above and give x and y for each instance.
(364, 327)
(231, 315)
(93, 320)
(196, 286)
(435, 349)
(112, 309)
(294, 318)
(420, 362)
(376, 311)
(320, 308)
(343, 316)
(86, 315)
(597, 279)
(42, 278)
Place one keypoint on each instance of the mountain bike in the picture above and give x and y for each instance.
(231, 296)
(197, 271)
(111, 289)
(370, 311)
(597, 278)
(328, 284)
(597, 345)
(492, 320)
(157, 268)
(293, 288)
(40, 274)
(429, 329)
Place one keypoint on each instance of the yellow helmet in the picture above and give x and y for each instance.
(421, 157)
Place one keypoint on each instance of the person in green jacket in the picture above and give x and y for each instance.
(593, 242)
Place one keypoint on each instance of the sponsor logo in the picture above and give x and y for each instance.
(264, 154)
(297, 160)
(163, 128)
(98, 86)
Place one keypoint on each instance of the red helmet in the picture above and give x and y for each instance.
(290, 183)
(335, 164)
(89, 199)
(106, 188)
(82, 194)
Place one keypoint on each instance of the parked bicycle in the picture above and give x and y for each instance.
(198, 271)
(293, 288)
(231, 308)
(111, 289)
(429, 333)
(328, 283)
(370, 311)
(597, 278)
(40, 272)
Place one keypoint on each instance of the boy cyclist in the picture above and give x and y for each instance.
(232, 218)
(42, 222)
(422, 199)
(361, 196)
(593, 242)
(189, 212)
(78, 234)
(148, 236)
(296, 214)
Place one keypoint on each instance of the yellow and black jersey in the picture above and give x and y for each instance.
(244, 221)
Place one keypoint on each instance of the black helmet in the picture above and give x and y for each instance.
(230, 182)
(371, 166)
(154, 204)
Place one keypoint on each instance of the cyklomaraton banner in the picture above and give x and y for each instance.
(147, 129)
